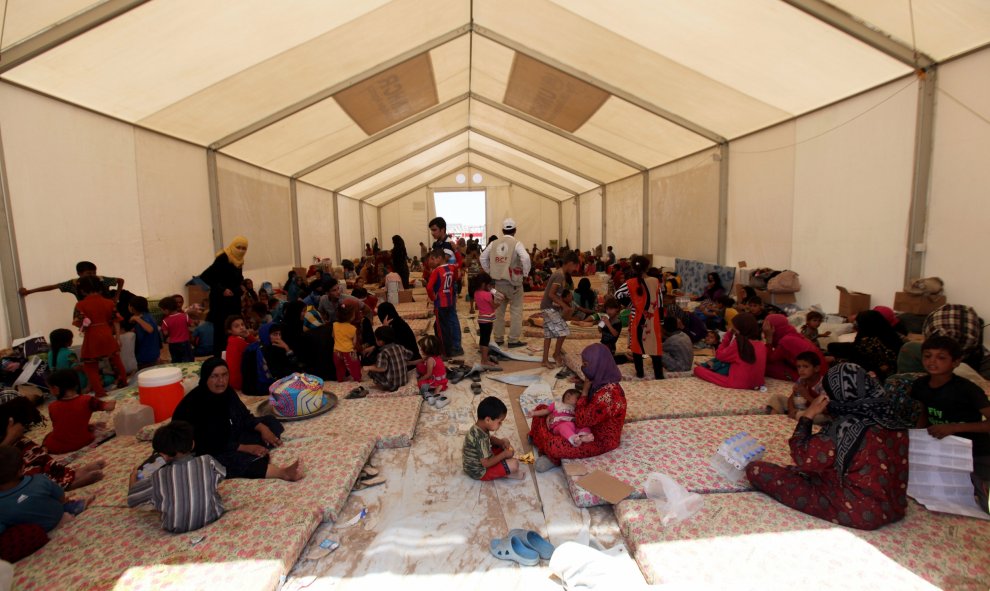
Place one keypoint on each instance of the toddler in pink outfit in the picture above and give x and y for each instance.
(561, 421)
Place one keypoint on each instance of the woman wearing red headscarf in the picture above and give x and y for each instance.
(784, 343)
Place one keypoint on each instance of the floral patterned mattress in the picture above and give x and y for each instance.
(331, 461)
(756, 542)
(414, 310)
(693, 397)
(342, 388)
(249, 548)
(390, 421)
(681, 448)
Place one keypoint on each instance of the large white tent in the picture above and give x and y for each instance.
(845, 140)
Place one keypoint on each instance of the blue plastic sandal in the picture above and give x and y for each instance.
(534, 541)
(512, 548)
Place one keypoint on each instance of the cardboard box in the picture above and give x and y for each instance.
(917, 304)
(777, 299)
(197, 295)
(300, 271)
(405, 296)
(852, 302)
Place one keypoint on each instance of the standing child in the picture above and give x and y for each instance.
(486, 457)
(488, 300)
(70, 413)
(611, 324)
(954, 405)
(561, 419)
(807, 388)
(184, 490)
(389, 371)
(552, 306)
(440, 290)
(431, 373)
(810, 329)
(97, 318)
(147, 339)
(393, 284)
(238, 340)
(346, 344)
(175, 328)
(30, 499)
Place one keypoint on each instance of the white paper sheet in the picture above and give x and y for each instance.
(939, 474)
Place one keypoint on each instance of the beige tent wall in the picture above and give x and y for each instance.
(761, 198)
(536, 216)
(407, 218)
(498, 206)
(624, 215)
(684, 210)
(370, 217)
(174, 201)
(852, 191)
(317, 228)
(590, 220)
(73, 192)
(348, 224)
(959, 208)
(568, 219)
(255, 203)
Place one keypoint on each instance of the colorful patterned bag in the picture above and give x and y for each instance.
(297, 395)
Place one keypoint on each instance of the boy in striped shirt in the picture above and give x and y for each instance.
(184, 490)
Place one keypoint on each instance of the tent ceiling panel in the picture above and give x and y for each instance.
(162, 52)
(643, 137)
(391, 95)
(514, 176)
(428, 175)
(530, 164)
(942, 28)
(742, 46)
(347, 168)
(557, 148)
(25, 18)
(490, 67)
(626, 65)
(297, 141)
(425, 159)
(550, 94)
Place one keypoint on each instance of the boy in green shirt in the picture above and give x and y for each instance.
(487, 457)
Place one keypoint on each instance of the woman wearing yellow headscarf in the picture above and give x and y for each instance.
(225, 277)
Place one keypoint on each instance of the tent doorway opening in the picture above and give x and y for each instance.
(464, 212)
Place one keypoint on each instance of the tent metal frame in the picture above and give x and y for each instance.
(533, 154)
(523, 171)
(425, 148)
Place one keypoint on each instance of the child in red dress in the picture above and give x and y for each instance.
(97, 318)
(70, 413)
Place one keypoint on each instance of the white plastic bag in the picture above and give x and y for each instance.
(673, 501)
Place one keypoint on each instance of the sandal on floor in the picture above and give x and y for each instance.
(476, 378)
(534, 541)
(512, 548)
(476, 388)
(359, 392)
(369, 471)
(440, 402)
(368, 482)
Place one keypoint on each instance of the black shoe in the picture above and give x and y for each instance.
(499, 342)
(514, 344)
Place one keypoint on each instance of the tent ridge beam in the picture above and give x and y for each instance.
(875, 38)
(412, 175)
(533, 154)
(418, 187)
(66, 30)
(383, 134)
(454, 134)
(513, 182)
(332, 90)
(556, 131)
(609, 88)
(521, 171)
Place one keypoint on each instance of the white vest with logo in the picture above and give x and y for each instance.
(504, 262)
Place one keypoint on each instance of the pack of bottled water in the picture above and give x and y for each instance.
(735, 453)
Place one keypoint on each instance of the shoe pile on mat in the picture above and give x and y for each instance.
(434, 399)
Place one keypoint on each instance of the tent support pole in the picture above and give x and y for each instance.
(214, 180)
(560, 222)
(336, 225)
(646, 212)
(361, 225)
(577, 221)
(604, 223)
(378, 210)
(923, 140)
(15, 312)
(723, 200)
(294, 210)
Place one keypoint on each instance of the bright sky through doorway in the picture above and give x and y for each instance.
(464, 212)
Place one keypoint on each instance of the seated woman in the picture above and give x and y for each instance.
(784, 344)
(744, 352)
(226, 429)
(713, 290)
(601, 408)
(404, 334)
(854, 472)
(314, 347)
(875, 348)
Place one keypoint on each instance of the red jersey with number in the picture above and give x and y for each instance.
(440, 288)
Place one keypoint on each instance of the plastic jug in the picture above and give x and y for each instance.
(132, 417)
(161, 389)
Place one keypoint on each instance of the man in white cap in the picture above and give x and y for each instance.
(507, 261)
